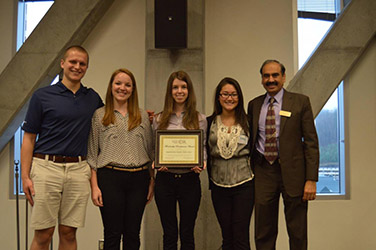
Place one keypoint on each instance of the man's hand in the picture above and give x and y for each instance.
(27, 149)
(28, 188)
(309, 190)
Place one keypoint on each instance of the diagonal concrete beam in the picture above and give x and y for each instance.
(337, 53)
(67, 22)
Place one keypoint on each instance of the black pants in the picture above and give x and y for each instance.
(184, 189)
(233, 207)
(268, 189)
(124, 199)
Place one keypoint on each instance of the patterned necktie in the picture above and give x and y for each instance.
(271, 150)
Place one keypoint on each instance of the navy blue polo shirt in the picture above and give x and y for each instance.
(61, 119)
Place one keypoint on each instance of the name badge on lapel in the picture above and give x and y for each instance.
(285, 113)
(243, 139)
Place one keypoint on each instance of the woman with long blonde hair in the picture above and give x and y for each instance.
(120, 154)
(179, 186)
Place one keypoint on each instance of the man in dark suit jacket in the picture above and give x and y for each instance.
(294, 171)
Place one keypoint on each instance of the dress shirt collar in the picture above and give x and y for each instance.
(278, 97)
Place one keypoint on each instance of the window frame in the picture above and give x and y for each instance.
(16, 141)
(344, 180)
(343, 157)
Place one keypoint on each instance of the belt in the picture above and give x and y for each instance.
(60, 158)
(178, 176)
(260, 158)
(136, 169)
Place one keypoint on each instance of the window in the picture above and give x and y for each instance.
(29, 15)
(315, 17)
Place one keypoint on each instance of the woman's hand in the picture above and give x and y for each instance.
(96, 196)
(198, 169)
(151, 190)
(161, 169)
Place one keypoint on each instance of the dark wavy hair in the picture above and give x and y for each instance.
(240, 115)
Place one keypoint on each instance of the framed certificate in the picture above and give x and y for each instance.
(178, 148)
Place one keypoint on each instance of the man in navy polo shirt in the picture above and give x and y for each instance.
(55, 173)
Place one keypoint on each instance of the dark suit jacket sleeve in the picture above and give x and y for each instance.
(310, 142)
(253, 112)
(250, 121)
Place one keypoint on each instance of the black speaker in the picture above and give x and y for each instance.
(170, 24)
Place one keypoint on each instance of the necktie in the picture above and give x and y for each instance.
(271, 150)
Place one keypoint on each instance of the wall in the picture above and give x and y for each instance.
(8, 206)
(238, 38)
(349, 224)
(117, 41)
(159, 65)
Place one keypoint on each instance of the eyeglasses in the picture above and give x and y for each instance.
(227, 95)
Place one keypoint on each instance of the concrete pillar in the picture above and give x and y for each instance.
(160, 63)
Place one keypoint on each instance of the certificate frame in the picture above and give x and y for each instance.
(179, 148)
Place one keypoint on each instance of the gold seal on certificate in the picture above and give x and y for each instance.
(179, 148)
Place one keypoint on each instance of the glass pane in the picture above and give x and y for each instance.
(310, 33)
(328, 133)
(325, 6)
(33, 13)
(329, 120)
